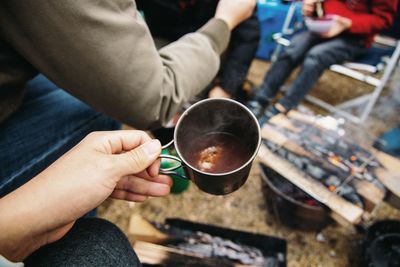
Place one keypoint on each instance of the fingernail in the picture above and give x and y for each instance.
(152, 147)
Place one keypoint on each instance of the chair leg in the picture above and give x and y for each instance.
(333, 109)
(354, 102)
(369, 99)
(385, 78)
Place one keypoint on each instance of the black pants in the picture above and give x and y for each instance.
(315, 54)
(171, 19)
(90, 242)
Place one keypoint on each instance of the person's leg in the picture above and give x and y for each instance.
(90, 242)
(319, 58)
(280, 70)
(240, 54)
(48, 123)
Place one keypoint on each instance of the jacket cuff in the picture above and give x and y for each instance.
(218, 32)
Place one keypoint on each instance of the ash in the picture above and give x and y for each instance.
(206, 245)
(210, 246)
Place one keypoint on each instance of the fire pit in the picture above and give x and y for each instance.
(290, 205)
(330, 163)
(200, 245)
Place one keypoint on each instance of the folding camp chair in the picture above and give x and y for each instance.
(370, 62)
(373, 62)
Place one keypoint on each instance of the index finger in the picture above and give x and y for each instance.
(120, 141)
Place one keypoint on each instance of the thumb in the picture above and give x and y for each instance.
(138, 159)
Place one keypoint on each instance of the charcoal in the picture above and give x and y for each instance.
(205, 250)
(373, 163)
(369, 177)
(338, 157)
(349, 193)
(333, 180)
(281, 257)
(345, 189)
(315, 171)
(379, 184)
(270, 262)
(214, 246)
(299, 162)
(282, 152)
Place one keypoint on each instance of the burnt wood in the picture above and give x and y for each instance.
(372, 195)
(343, 209)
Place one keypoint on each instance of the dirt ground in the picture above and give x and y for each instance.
(246, 210)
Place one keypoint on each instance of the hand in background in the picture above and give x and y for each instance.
(308, 7)
(233, 12)
(218, 92)
(340, 24)
(121, 164)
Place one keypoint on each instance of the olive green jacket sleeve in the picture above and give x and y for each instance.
(102, 52)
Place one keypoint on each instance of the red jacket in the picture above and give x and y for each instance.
(368, 17)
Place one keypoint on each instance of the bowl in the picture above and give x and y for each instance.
(290, 205)
(381, 244)
(319, 25)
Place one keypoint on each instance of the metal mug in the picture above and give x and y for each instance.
(215, 115)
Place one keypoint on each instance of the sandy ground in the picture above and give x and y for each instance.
(246, 209)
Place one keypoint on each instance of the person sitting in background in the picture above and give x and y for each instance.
(171, 19)
(355, 22)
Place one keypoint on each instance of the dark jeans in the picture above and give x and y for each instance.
(48, 124)
(170, 20)
(316, 54)
(90, 242)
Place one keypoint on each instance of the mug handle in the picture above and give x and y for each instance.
(171, 170)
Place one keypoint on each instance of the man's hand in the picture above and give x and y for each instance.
(340, 24)
(121, 164)
(233, 12)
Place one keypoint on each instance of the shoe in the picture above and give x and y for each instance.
(268, 114)
(389, 142)
(255, 107)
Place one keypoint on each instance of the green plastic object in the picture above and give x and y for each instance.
(179, 184)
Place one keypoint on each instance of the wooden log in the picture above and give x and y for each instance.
(346, 210)
(390, 180)
(390, 163)
(142, 230)
(303, 117)
(271, 134)
(371, 194)
(293, 114)
(284, 122)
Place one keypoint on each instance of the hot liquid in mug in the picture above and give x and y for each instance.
(216, 141)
